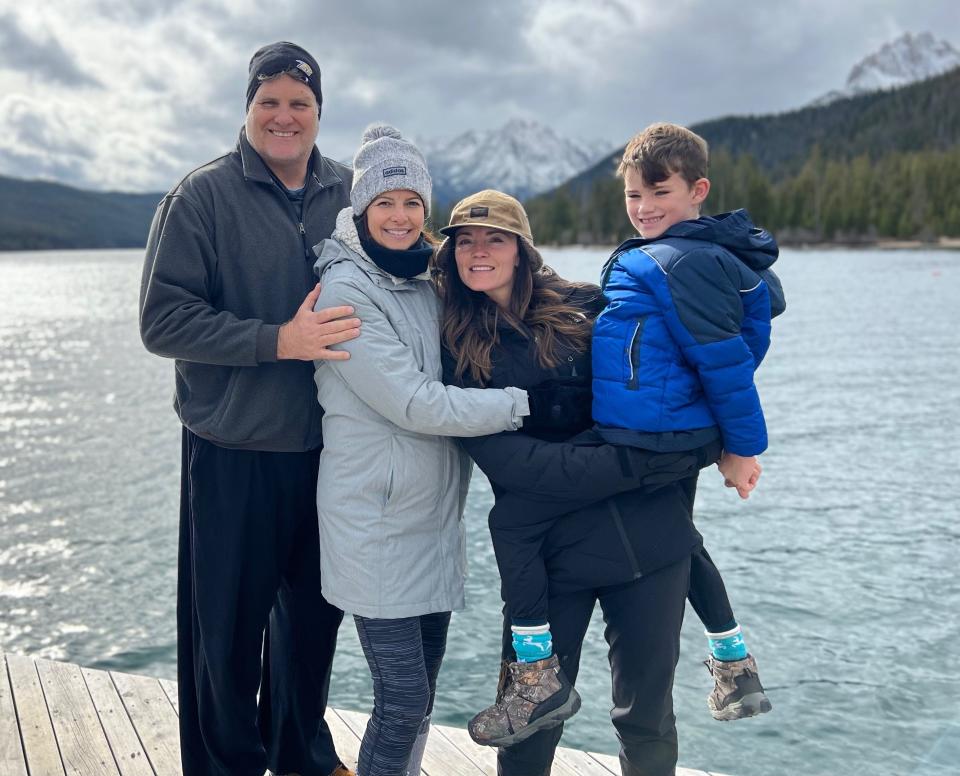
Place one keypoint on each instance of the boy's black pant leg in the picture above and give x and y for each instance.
(643, 620)
(518, 527)
(237, 530)
(708, 594)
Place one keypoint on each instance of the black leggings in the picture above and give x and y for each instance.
(404, 657)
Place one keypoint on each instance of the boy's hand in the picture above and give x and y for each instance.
(740, 472)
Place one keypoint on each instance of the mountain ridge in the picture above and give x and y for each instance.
(523, 156)
(907, 59)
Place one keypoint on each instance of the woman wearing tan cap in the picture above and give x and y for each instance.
(575, 522)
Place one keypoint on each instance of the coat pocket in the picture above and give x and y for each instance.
(391, 473)
(622, 532)
(633, 355)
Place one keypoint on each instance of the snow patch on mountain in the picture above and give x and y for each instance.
(908, 59)
(522, 158)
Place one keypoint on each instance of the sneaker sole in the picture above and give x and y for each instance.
(751, 705)
(547, 721)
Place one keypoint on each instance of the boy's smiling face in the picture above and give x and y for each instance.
(654, 208)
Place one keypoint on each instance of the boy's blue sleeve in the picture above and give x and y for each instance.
(703, 309)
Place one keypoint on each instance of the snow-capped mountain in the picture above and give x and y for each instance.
(521, 158)
(905, 60)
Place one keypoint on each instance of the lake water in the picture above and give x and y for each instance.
(842, 567)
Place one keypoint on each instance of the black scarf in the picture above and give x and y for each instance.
(402, 264)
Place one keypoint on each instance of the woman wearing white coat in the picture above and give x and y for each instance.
(392, 480)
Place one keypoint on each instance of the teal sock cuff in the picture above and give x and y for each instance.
(727, 646)
(531, 647)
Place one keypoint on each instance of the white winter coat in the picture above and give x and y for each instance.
(392, 481)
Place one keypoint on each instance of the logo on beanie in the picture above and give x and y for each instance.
(307, 70)
(391, 172)
(479, 212)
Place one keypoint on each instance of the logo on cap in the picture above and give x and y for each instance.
(390, 172)
(479, 212)
(307, 70)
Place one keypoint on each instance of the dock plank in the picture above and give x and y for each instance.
(484, 757)
(12, 761)
(347, 742)
(613, 764)
(170, 688)
(581, 763)
(355, 720)
(83, 745)
(121, 735)
(442, 758)
(36, 730)
(155, 721)
(58, 719)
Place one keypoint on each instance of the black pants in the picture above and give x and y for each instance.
(643, 620)
(518, 528)
(708, 594)
(404, 657)
(250, 615)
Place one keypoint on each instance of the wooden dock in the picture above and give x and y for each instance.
(58, 719)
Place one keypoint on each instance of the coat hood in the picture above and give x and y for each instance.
(344, 245)
(734, 231)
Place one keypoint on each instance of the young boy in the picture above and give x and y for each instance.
(687, 323)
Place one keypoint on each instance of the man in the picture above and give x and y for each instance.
(228, 291)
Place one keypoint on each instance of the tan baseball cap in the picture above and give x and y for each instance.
(493, 209)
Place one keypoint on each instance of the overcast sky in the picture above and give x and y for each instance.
(131, 94)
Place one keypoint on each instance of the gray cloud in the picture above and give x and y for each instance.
(174, 72)
(47, 57)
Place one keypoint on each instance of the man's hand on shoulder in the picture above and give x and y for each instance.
(308, 335)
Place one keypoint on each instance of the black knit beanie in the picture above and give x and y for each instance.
(281, 57)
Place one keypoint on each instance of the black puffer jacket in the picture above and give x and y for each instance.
(624, 531)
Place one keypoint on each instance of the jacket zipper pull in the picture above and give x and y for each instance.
(302, 230)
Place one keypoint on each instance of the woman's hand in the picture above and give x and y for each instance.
(557, 405)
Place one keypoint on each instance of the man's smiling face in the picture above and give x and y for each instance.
(282, 124)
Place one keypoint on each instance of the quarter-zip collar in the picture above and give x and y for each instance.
(321, 173)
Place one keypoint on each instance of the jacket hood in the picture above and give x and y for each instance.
(734, 231)
(344, 245)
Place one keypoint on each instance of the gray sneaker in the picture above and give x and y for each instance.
(530, 697)
(737, 692)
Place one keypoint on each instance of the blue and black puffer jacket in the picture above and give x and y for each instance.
(687, 323)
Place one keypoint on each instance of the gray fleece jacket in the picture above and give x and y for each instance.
(228, 260)
(392, 480)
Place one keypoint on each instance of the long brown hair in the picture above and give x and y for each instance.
(539, 309)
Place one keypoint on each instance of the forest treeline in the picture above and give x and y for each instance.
(912, 195)
(884, 165)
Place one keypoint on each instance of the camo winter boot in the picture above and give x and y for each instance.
(737, 692)
(530, 697)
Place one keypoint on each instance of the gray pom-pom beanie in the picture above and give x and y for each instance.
(387, 162)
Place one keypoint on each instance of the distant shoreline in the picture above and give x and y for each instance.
(940, 244)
